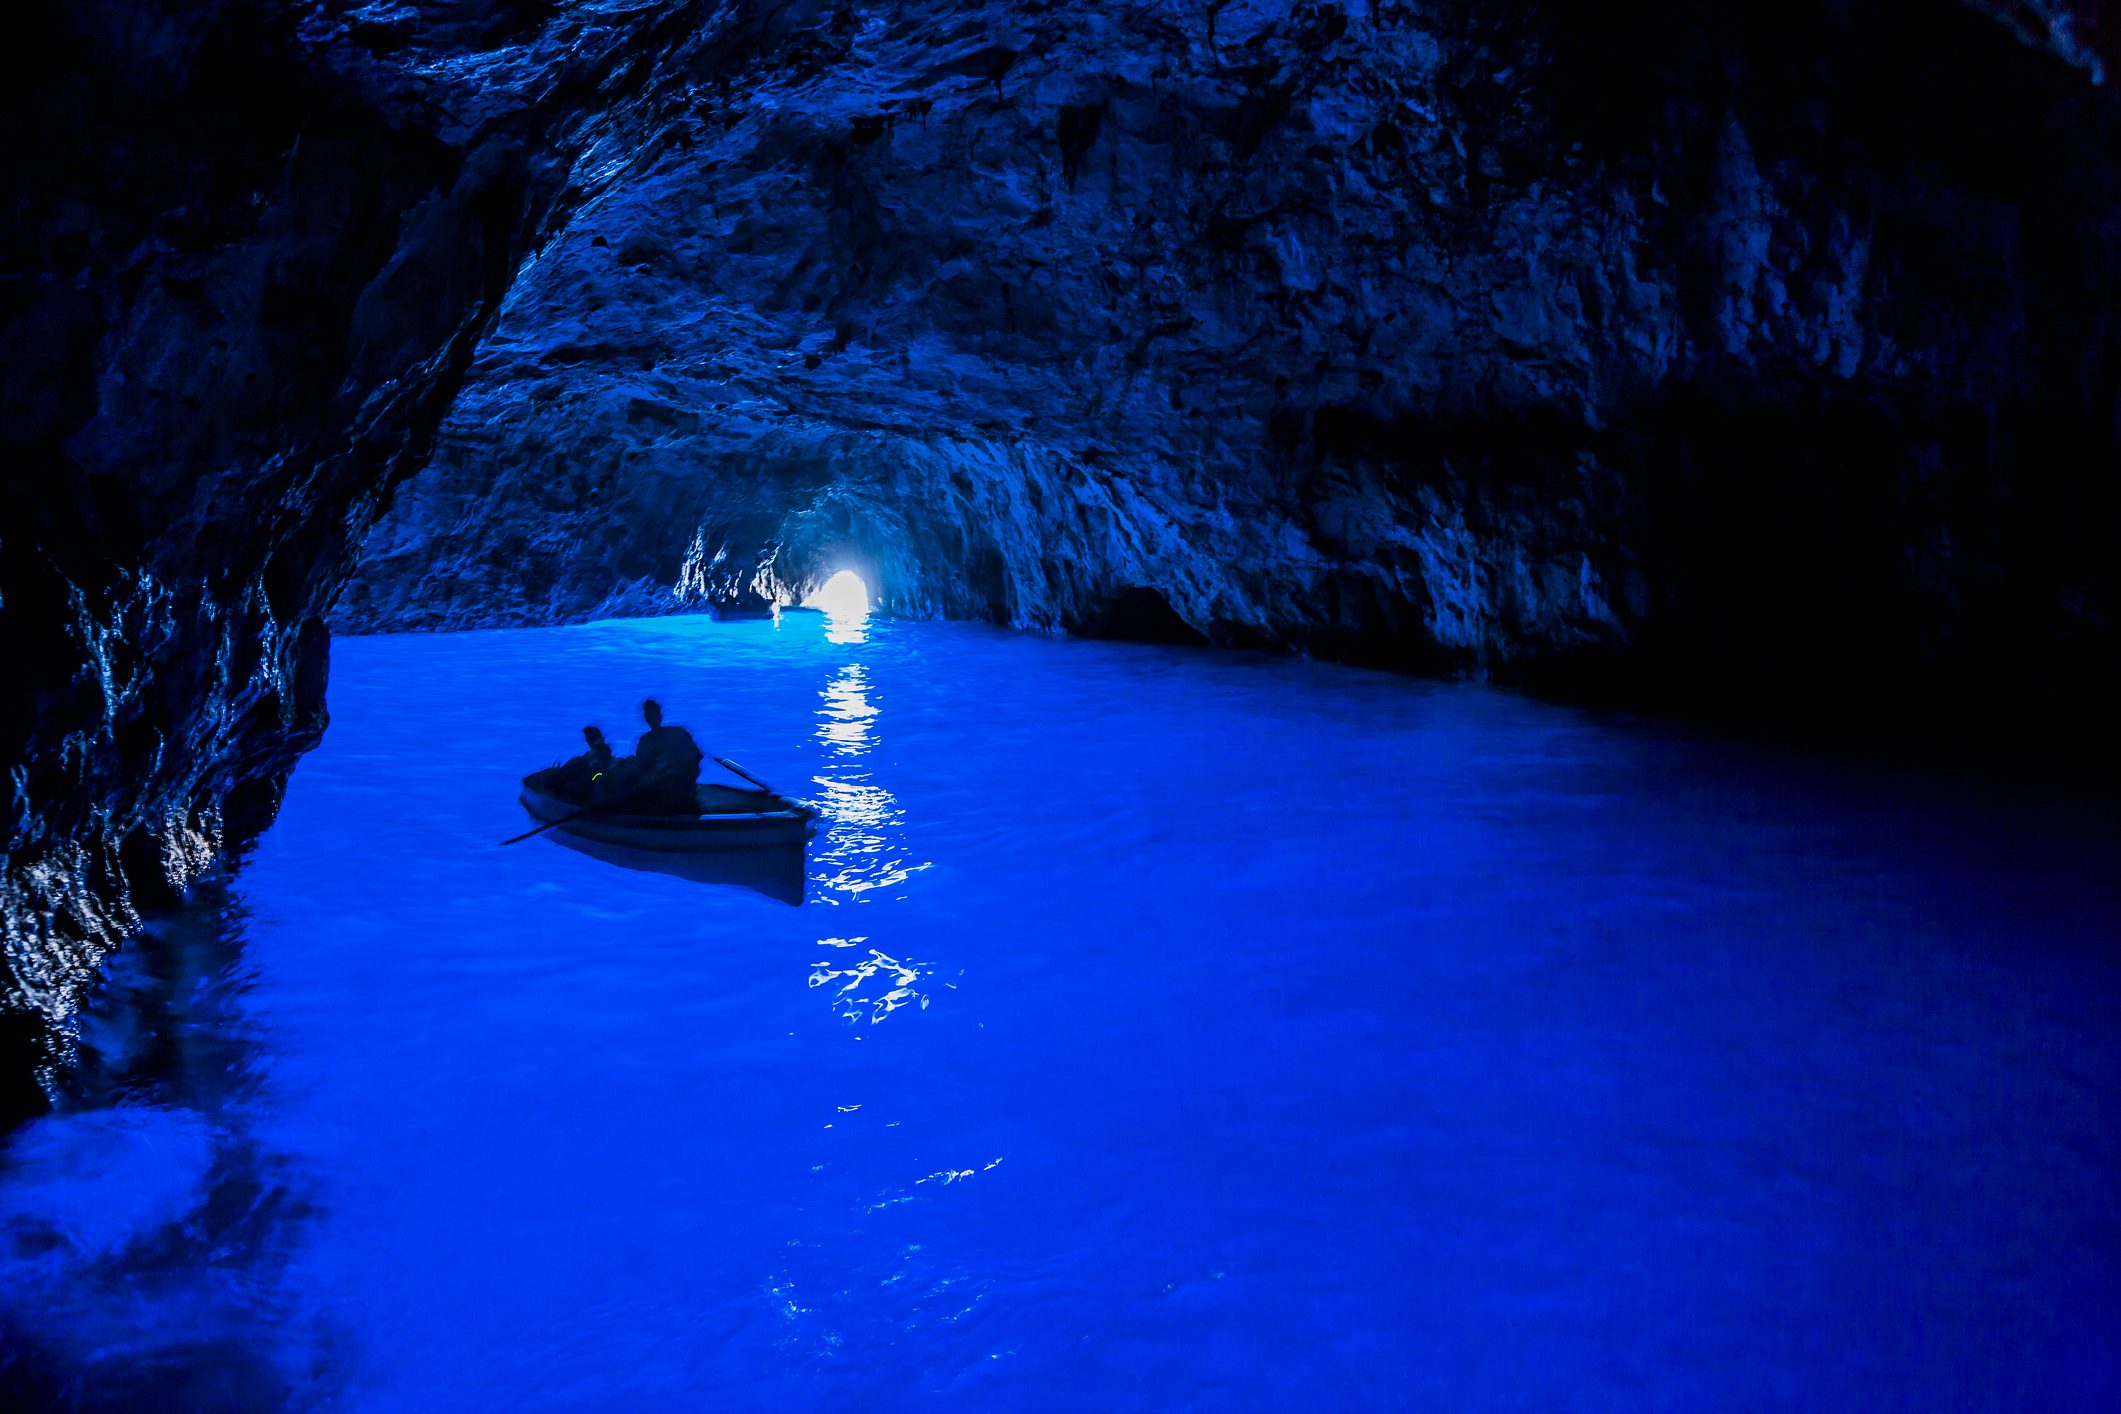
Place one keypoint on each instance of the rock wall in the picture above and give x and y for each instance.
(1684, 351)
(249, 249)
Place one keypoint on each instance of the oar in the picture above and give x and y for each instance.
(623, 795)
(725, 761)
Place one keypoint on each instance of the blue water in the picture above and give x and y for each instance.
(1162, 1029)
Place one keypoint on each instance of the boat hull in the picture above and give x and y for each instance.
(755, 839)
(775, 870)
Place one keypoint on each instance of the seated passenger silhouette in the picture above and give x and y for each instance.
(668, 760)
(589, 776)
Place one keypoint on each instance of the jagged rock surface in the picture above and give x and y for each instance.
(1662, 345)
(248, 251)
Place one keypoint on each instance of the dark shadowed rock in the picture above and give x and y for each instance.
(248, 251)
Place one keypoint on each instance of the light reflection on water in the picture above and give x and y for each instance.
(863, 845)
(847, 715)
(871, 987)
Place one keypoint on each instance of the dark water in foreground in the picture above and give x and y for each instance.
(1162, 1029)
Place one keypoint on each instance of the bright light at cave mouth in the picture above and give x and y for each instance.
(843, 596)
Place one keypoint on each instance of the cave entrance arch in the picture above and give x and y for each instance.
(844, 595)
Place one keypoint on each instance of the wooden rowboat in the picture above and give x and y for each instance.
(738, 836)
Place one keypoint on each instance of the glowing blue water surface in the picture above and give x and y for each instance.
(1162, 1027)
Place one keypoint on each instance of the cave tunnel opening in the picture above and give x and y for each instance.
(840, 573)
(843, 595)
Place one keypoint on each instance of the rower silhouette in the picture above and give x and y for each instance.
(668, 760)
(590, 776)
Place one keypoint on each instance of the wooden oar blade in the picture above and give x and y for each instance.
(527, 834)
(731, 765)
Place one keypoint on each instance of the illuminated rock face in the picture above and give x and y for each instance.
(1651, 345)
(1666, 350)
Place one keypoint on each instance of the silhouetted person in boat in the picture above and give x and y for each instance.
(668, 760)
(590, 776)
